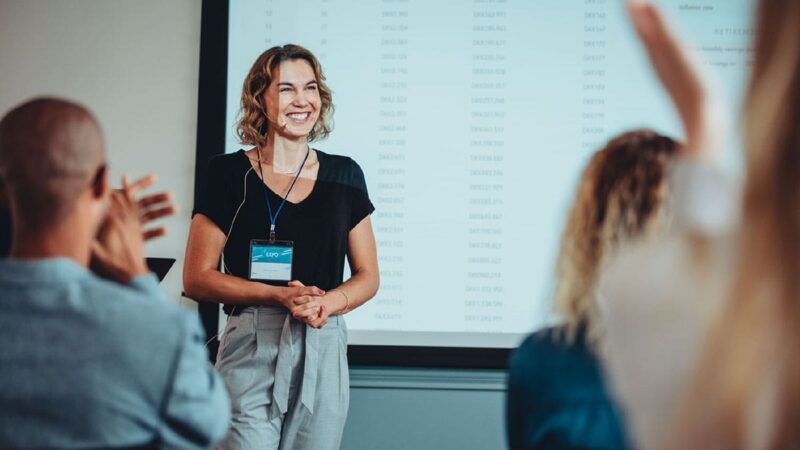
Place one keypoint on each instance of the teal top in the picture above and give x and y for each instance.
(557, 398)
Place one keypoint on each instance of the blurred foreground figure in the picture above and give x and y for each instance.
(710, 359)
(89, 362)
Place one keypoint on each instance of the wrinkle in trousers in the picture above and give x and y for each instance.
(288, 383)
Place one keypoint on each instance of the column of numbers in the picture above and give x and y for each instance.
(392, 121)
(594, 44)
(484, 291)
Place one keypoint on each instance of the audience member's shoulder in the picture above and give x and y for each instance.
(144, 304)
(544, 348)
(548, 365)
(139, 325)
(541, 342)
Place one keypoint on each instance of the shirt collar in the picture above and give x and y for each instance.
(45, 270)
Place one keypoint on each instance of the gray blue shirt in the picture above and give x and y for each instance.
(87, 363)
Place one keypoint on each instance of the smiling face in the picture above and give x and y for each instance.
(292, 100)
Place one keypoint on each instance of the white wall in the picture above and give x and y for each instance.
(135, 65)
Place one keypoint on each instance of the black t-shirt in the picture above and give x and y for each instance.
(318, 226)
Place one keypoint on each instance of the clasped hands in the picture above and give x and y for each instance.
(307, 303)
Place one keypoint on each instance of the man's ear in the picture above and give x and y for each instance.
(100, 186)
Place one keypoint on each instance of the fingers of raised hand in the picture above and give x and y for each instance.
(121, 209)
(157, 213)
(147, 208)
(645, 17)
(132, 188)
(154, 233)
(155, 199)
(155, 206)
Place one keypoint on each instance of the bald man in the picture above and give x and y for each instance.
(90, 362)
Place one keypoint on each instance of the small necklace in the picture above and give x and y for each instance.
(305, 165)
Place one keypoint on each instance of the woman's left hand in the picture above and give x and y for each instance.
(311, 309)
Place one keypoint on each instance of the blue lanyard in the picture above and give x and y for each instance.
(273, 219)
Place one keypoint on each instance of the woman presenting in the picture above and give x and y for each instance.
(281, 216)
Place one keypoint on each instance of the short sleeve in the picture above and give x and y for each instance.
(217, 199)
(360, 204)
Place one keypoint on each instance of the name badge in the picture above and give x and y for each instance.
(271, 260)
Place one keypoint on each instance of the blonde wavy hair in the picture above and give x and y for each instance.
(253, 126)
(620, 197)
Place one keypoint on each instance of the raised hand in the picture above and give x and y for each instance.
(151, 207)
(118, 249)
(703, 116)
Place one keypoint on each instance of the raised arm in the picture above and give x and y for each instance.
(703, 116)
(649, 291)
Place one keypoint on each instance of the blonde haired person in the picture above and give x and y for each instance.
(710, 361)
(556, 395)
(283, 217)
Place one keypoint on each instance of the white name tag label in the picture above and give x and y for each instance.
(271, 260)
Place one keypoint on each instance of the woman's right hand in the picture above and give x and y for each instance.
(702, 115)
(306, 304)
(287, 295)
